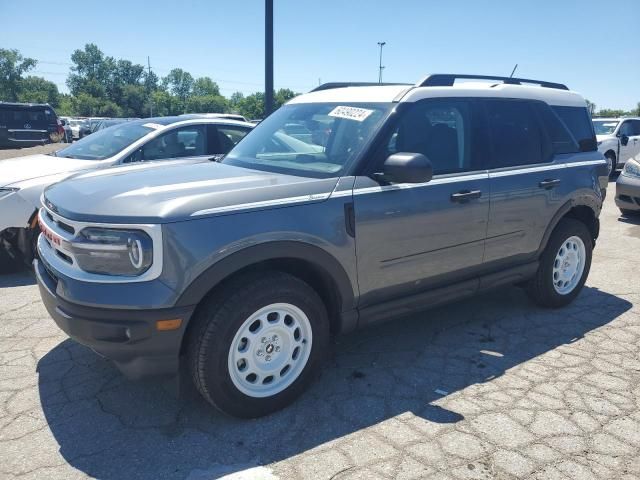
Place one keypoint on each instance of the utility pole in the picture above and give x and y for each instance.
(380, 67)
(268, 57)
(150, 94)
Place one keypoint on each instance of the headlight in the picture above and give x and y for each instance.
(6, 191)
(631, 169)
(109, 251)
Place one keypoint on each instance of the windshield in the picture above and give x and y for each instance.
(604, 127)
(314, 140)
(105, 143)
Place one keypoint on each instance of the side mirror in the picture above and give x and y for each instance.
(406, 167)
(624, 140)
(63, 122)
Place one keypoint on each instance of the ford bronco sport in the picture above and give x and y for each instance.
(399, 197)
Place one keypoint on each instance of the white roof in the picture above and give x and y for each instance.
(383, 93)
(389, 93)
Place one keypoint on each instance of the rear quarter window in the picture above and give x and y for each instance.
(562, 140)
(578, 121)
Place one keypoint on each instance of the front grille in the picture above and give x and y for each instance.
(63, 226)
(64, 256)
(29, 135)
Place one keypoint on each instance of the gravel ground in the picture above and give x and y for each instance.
(491, 387)
(21, 152)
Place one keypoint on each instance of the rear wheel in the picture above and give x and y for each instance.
(564, 265)
(258, 343)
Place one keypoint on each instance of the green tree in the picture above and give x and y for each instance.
(133, 100)
(180, 84)
(165, 104)
(282, 96)
(591, 107)
(637, 112)
(235, 100)
(91, 72)
(205, 86)
(12, 66)
(609, 112)
(85, 105)
(252, 106)
(66, 105)
(38, 90)
(207, 104)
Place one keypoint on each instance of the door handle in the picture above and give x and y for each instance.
(549, 183)
(465, 195)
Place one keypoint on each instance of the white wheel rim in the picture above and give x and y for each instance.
(568, 265)
(270, 350)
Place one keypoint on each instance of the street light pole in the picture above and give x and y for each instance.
(268, 57)
(380, 67)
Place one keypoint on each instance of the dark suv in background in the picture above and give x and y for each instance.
(28, 124)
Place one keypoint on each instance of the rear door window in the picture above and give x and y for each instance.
(227, 137)
(578, 121)
(516, 134)
(189, 141)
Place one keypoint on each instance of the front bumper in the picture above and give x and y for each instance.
(128, 337)
(628, 193)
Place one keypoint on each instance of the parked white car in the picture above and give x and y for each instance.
(23, 179)
(618, 139)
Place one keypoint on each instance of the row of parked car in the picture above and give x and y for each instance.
(30, 124)
(238, 251)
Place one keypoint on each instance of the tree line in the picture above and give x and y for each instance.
(103, 86)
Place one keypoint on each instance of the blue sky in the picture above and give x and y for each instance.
(590, 45)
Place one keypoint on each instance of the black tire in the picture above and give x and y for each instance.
(217, 321)
(540, 288)
(611, 157)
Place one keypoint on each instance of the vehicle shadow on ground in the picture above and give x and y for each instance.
(630, 219)
(110, 428)
(18, 278)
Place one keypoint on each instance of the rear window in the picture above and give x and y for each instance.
(578, 121)
(20, 116)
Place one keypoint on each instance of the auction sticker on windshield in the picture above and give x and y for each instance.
(351, 113)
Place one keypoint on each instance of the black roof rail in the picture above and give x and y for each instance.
(448, 79)
(331, 85)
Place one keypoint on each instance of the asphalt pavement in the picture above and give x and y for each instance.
(487, 388)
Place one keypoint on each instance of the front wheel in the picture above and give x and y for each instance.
(611, 163)
(564, 265)
(258, 343)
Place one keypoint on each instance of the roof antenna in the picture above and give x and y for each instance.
(513, 71)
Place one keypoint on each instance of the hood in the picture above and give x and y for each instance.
(602, 138)
(160, 193)
(14, 170)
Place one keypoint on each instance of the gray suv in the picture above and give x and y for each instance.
(397, 198)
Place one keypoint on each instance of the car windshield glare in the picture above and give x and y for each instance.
(105, 143)
(317, 140)
(604, 127)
